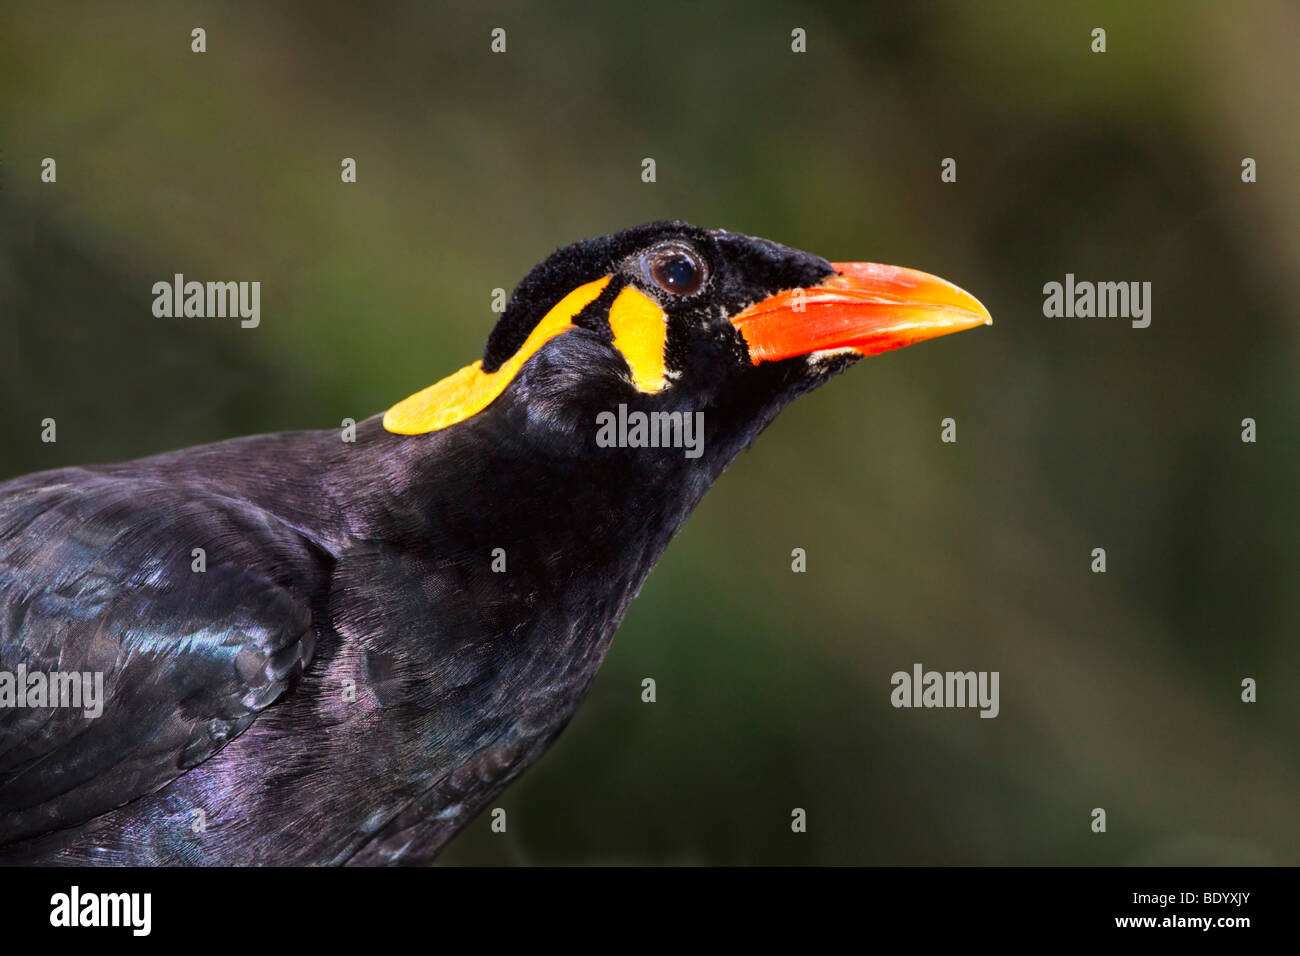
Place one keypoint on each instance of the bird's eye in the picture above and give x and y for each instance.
(676, 270)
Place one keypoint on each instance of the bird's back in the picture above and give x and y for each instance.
(271, 660)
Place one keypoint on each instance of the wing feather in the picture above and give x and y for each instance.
(98, 577)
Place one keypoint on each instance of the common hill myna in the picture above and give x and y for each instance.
(313, 650)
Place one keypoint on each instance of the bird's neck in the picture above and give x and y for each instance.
(545, 547)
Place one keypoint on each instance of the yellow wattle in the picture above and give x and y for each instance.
(640, 330)
(470, 390)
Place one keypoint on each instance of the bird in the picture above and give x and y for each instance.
(307, 648)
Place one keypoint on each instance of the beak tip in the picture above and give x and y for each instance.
(977, 307)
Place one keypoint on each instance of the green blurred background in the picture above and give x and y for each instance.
(1119, 690)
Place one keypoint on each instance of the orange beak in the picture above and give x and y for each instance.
(865, 306)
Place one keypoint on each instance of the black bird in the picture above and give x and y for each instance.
(320, 651)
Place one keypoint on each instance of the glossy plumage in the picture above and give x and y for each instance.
(350, 680)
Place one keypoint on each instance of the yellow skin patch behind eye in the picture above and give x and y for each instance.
(469, 391)
(640, 330)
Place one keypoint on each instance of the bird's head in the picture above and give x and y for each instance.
(671, 318)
